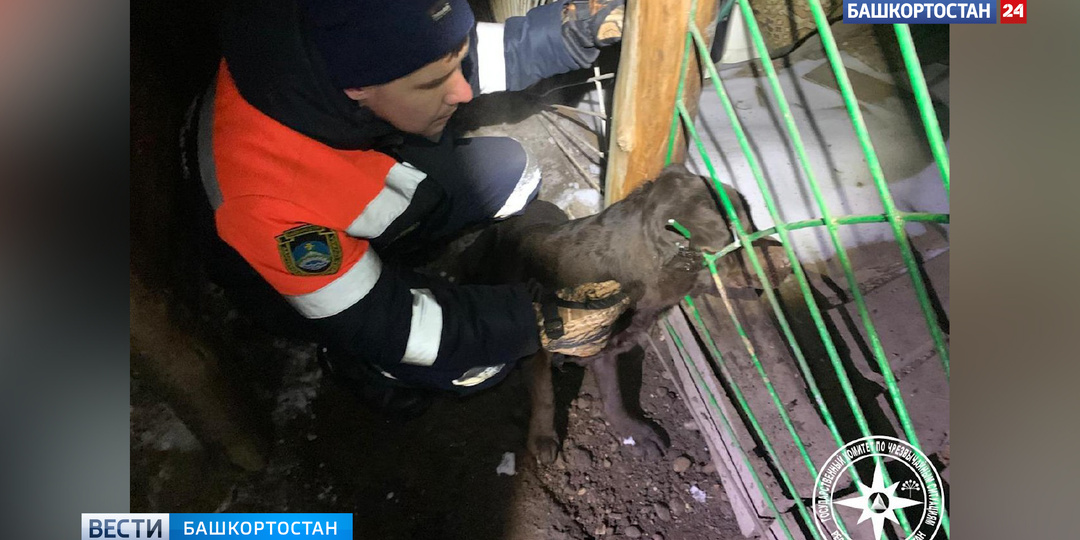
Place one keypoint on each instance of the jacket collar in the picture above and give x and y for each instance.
(281, 74)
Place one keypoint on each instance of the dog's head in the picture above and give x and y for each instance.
(691, 201)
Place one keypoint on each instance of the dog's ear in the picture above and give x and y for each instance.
(679, 168)
(685, 197)
(655, 213)
(703, 213)
(742, 210)
(691, 200)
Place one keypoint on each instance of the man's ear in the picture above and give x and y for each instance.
(359, 95)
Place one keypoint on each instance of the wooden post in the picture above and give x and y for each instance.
(654, 40)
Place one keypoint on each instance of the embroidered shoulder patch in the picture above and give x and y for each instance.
(310, 250)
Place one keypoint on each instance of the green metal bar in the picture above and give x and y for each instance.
(761, 371)
(895, 221)
(892, 216)
(741, 400)
(924, 216)
(752, 257)
(755, 168)
(766, 442)
(681, 109)
(837, 64)
(926, 105)
(820, 222)
(796, 140)
(678, 227)
(698, 380)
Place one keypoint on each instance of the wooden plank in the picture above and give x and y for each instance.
(773, 352)
(752, 513)
(654, 41)
(723, 459)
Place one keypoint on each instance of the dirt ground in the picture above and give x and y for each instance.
(435, 476)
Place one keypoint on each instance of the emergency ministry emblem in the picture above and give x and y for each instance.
(310, 250)
(912, 488)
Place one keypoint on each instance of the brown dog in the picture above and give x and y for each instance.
(630, 242)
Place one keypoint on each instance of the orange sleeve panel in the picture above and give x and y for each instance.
(287, 199)
(294, 256)
(256, 155)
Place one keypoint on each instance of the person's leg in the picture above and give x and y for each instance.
(480, 180)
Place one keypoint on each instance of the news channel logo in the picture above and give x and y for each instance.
(99, 526)
(181, 526)
(934, 12)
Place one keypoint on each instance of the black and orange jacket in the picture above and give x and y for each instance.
(304, 187)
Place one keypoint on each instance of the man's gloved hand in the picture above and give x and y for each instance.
(577, 321)
(588, 24)
(599, 22)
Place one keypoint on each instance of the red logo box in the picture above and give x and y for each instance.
(1014, 12)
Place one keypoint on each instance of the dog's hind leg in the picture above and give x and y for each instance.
(605, 369)
(543, 442)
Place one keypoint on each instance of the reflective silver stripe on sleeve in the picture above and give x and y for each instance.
(425, 330)
(477, 375)
(492, 59)
(526, 186)
(205, 148)
(401, 184)
(340, 294)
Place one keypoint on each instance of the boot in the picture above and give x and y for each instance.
(379, 394)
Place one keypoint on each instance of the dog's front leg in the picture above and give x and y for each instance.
(543, 443)
(605, 369)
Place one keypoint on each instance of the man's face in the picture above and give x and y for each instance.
(422, 101)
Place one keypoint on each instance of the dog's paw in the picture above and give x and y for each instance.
(544, 448)
(653, 446)
(648, 441)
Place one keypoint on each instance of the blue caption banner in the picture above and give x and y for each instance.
(178, 526)
(920, 11)
(260, 525)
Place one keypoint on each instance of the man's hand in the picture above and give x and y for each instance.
(593, 23)
(576, 321)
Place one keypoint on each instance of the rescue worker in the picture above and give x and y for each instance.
(323, 152)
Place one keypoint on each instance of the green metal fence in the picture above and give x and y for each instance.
(831, 222)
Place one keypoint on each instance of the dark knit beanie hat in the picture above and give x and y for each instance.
(369, 42)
